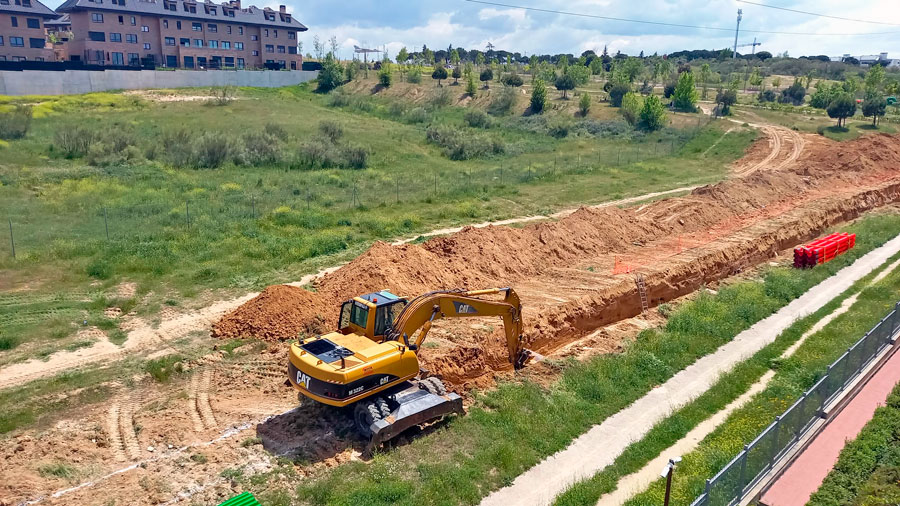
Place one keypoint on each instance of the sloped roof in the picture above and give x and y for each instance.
(36, 9)
(250, 15)
(62, 20)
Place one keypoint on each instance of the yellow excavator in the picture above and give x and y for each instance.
(371, 361)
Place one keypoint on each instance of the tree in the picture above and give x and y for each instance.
(457, 73)
(403, 55)
(824, 95)
(755, 78)
(704, 78)
(439, 73)
(532, 66)
(584, 103)
(724, 100)
(617, 92)
(454, 58)
(428, 55)
(842, 108)
(512, 80)
(580, 74)
(384, 75)
(470, 86)
(685, 96)
(763, 55)
(631, 108)
(851, 86)
(350, 70)
(486, 76)
(538, 97)
(564, 83)
(776, 82)
(331, 75)
(809, 77)
(874, 79)
(874, 107)
(793, 94)
(653, 114)
(631, 68)
(479, 60)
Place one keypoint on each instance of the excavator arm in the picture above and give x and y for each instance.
(421, 312)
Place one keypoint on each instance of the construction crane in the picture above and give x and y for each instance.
(752, 44)
(371, 362)
(737, 30)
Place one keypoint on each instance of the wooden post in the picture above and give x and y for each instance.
(12, 241)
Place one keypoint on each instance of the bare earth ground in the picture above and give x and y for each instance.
(575, 275)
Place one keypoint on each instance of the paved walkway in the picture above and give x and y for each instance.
(599, 446)
(806, 474)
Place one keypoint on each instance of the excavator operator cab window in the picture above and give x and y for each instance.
(386, 315)
(359, 314)
(344, 320)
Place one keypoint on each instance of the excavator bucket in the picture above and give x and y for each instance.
(412, 406)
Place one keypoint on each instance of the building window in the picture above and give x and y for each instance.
(270, 48)
(213, 43)
(240, 30)
(210, 27)
(240, 63)
(165, 23)
(178, 25)
(281, 49)
(293, 65)
(228, 29)
(121, 20)
(97, 17)
(197, 27)
(2, 57)
(18, 58)
(147, 46)
(131, 38)
(254, 37)
(226, 44)
(185, 42)
(275, 32)
(133, 21)
(1, 40)
(198, 42)
(229, 62)
(97, 36)
(292, 49)
(267, 32)
(36, 42)
(292, 35)
(118, 58)
(170, 6)
(26, 3)
(282, 63)
(170, 41)
(145, 28)
(171, 60)
(254, 53)
(17, 42)
(239, 46)
(188, 62)
(115, 37)
(33, 22)
(201, 61)
(134, 59)
(14, 21)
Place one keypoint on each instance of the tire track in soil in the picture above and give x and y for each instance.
(196, 418)
(206, 412)
(115, 436)
(126, 426)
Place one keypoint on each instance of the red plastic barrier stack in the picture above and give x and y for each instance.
(823, 250)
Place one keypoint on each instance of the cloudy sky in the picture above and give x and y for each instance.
(439, 23)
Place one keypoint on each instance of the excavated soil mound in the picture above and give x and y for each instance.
(829, 182)
(280, 312)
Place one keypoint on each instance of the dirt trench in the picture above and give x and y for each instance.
(566, 271)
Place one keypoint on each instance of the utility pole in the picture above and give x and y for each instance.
(737, 30)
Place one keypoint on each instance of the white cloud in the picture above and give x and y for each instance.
(518, 15)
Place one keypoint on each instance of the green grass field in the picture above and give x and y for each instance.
(130, 208)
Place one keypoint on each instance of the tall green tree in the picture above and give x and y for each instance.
(538, 96)
(564, 83)
(874, 80)
(704, 78)
(479, 59)
(457, 73)
(631, 108)
(403, 55)
(428, 55)
(584, 103)
(384, 75)
(841, 108)
(533, 66)
(331, 75)
(685, 96)
(454, 58)
(874, 107)
(471, 90)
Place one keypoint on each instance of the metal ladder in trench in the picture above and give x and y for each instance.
(642, 291)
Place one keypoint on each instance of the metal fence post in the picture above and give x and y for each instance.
(775, 446)
(742, 474)
(12, 241)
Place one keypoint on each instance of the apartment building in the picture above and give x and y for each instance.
(181, 33)
(22, 33)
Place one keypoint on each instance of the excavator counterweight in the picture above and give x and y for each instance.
(371, 361)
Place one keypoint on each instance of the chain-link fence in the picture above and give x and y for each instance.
(729, 486)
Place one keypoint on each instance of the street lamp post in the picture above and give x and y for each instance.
(667, 474)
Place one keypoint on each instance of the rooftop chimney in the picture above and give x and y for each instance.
(282, 9)
(883, 56)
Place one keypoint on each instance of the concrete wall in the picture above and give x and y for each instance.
(34, 82)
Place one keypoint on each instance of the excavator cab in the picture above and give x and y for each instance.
(371, 315)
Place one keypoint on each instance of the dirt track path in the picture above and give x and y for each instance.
(599, 446)
(146, 339)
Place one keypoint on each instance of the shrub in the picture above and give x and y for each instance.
(559, 127)
(179, 145)
(725, 99)
(163, 368)
(117, 148)
(276, 130)
(357, 157)
(460, 146)
(456, 74)
(842, 108)
(318, 154)
(874, 107)
(476, 118)
(414, 75)
(331, 129)
(341, 98)
(471, 90)
(486, 76)
(793, 94)
(74, 141)
(439, 73)
(16, 123)
(440, 98)
(212, 150)
(767, 96)
(538, 96)
(564, 83)
(668, 90)
(617, 92)
(259, 148)
(504, 102)
(330, 76)
(653, 113)
(222, 95)
(513, 80)
(385, 76)
(584, 103)
(417, 115)
(631, 108)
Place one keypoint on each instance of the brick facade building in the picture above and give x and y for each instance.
(182, 33)
(22, 33)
